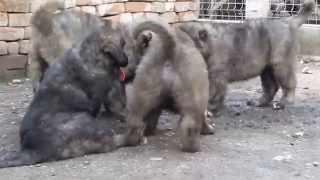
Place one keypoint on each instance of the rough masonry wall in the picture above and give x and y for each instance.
(15, 18)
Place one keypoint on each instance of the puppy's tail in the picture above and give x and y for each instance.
(22, 158)
(42, 18)
(167, 39)
(305, 11)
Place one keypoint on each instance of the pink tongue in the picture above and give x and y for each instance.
(122, 75)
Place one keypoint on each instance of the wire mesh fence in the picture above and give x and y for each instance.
(236, 9)
(284, 8)
(222, 9)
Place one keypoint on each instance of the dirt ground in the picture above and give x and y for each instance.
(250, 143)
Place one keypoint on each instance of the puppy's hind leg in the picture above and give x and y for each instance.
(190, 133)
(143, 101)
(270, 87)
(285, 75)
(83, 134)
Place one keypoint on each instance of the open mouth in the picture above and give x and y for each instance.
(122, 75)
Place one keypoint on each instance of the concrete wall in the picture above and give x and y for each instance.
(310, 40)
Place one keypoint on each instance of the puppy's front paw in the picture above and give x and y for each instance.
(278, 106)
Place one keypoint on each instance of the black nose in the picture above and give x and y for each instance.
(123, 59)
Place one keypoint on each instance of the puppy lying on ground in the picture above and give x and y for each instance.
(60, 122)
(265, 47)
(54, 30)
(167, 77)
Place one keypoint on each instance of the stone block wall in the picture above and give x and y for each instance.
(15, 18)
(14, 37)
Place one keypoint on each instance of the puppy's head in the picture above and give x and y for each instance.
(133, 49)
(200, 36)
(105, 49)
(103, 56)
(113, 47)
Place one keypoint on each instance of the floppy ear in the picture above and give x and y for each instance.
(116, 55)
(144, 39)
(203, 35)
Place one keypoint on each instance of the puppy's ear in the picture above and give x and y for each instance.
(203, 35)
(144, 39)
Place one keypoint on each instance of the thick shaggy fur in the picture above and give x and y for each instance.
(55, 30)
(171, 74)
(60, 122)
(265, 47)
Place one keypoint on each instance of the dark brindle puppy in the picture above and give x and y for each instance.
(54, 30)
(265, 47)
(60, 122)
(167, 77)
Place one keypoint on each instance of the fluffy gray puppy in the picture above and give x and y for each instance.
(258, 47)
(171, 74)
